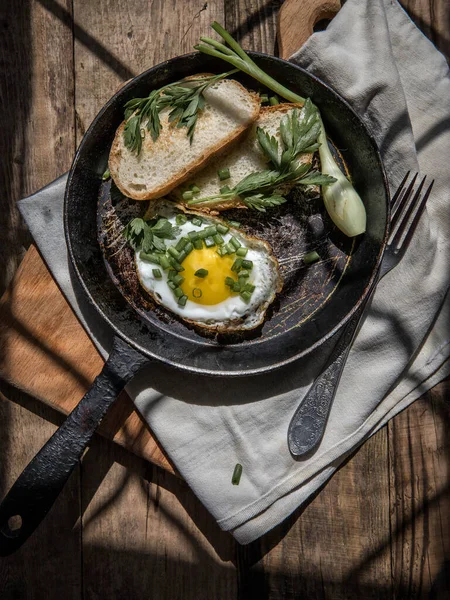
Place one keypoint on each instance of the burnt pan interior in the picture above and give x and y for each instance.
(316, 299)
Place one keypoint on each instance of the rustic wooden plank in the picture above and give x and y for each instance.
(36, 109)
(253, 23)
(296, 22)
(146, 535)
(419, 447)
(54, 342)
(37, 144)
(143, 35)
(337, 547)
(48, 565)
(433, 18)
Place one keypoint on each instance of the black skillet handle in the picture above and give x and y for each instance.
(36, 489)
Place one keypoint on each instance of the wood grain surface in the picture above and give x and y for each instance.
(125, 528)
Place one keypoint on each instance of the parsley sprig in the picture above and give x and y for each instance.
(299, 132)
(185, 101)
(149, 236)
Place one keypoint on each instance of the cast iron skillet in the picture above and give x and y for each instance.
(142, 334)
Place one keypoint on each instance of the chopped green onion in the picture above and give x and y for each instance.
(193, 235)
(207, 232)
(172, 285)
(242, 251)
(274, 100)
(175, 264)
(249, 288)
(195, 189)
(180, 219)
(197, 293)
(237, 265)
(149, 257)
(209, 242)
(181, 244)
(210, 231)
(236, 286)
(182, 256)
(197, 221)
(246, 296)
(311, 257)
(164, 262)
(225, 189)
(201, 273)
(187, 195)
(223, 229)
(234, 224)
(156, 273)
(221, 251)
(235, 242)
(236, 474)
(178, 279)
(229, 281)
(198, 244)
(229, 248)
(106, 175)
(173, 252)
(218, 239)
(182, 300)
(188, 248)
(178, 292)
(264, 98)
(171, 275)
(244, 273)
(224, 174)
(247, 264)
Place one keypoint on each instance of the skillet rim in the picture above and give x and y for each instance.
(198, 370)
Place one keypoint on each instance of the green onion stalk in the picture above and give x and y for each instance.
(341, 200)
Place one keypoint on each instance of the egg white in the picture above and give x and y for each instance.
(264, 276)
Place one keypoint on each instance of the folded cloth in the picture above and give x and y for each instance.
(397, 81)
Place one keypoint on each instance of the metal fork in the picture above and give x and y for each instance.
(307, 426)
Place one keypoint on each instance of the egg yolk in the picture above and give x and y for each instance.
(211, 289)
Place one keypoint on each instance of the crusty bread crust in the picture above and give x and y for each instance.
(115, 155)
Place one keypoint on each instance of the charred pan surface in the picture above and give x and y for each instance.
(292, 230)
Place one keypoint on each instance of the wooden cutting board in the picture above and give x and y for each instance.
(46, 353)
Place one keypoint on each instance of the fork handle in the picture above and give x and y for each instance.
(308, 423)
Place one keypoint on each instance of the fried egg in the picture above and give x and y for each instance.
(226, 293)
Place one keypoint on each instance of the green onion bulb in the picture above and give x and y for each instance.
(341, 200)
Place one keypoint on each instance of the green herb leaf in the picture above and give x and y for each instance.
(299, 132)
(186, 103)
(269, 146)
(261, 202)
(134, 233)
(132, 134)
(316, 178)
(256, 181)
(149, 237)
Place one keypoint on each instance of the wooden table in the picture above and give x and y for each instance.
(123, 528)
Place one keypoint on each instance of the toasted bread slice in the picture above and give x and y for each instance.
(164, 164)
(242, 160)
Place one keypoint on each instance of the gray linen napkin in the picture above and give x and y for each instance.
(394, 77)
